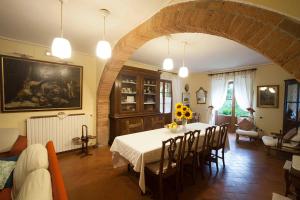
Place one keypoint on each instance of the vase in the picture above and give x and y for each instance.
(184, 122)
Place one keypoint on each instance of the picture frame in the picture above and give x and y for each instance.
(268, 96)
(186, 97)
(201, 96)
(34, 85)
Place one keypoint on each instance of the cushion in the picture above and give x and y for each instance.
(9, 181)
(32, 158)
(6, 168)
(269, 141)
(247, 133)
(246, 125)
(291, 133)
(19, 146)
(8, 137)
(154, 167)
(37, 186)
(276, 196)
(5, 194)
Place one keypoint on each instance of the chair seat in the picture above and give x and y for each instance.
(250, 133)
(154, 167)
(269, 141)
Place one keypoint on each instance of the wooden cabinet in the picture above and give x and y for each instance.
(291, 112)
(134, 102)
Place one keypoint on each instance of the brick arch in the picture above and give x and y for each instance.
(273, 35)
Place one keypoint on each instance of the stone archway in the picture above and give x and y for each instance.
(271, 34)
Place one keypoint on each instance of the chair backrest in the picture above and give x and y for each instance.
(190, 143)
(171, 151)
(208, 138)
(222, 135)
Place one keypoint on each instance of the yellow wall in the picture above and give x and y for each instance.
(269, 74)
(17, 120)
(287, 7)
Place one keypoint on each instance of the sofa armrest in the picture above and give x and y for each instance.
(58, 186)
(19, 146)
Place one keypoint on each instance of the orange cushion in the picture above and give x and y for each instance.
(5, 194)
(58, 186)
(19, 146)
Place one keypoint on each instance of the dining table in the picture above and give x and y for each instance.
(141, 148)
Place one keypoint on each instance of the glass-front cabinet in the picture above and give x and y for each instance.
(166, 100)
(128, 93)
(291, 116)
(150, 94)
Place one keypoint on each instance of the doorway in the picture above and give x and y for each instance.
(230, 111)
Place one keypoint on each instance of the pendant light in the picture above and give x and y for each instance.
(61, 47)
(183, 70)
(168, 63)
(103, 49)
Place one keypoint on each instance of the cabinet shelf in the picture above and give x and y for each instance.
(127, 82)
(151, 94)
(128, 103)
(129, 93)
(149, 103)
(151, 85)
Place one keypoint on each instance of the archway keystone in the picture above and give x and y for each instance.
(273, 35)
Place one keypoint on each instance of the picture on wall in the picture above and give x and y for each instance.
(267, 96)
(201, 96)
(31, 85)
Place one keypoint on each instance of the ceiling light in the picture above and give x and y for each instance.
(183, 70)
(168, 63)
(61, 47)
(103, 49)
(272, 90)
(262, 88)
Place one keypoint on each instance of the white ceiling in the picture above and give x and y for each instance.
(203, 52)
(37, 21)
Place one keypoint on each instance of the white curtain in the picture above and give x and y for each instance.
(218, 93)
(243, 88)
(176, 88)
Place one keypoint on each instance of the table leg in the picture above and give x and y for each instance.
(287, 182)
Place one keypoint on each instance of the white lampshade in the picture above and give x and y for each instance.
(183, 72)
(61, 48)
(103, 49)
(168, 64)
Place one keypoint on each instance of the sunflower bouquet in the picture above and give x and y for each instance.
(183, 113)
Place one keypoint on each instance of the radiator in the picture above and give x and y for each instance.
(59, 129)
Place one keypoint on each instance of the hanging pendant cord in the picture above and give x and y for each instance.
(103, 36)
(61, 19)
(168, 47)
(183, 54)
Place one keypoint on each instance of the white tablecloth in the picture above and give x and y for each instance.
(145, 147)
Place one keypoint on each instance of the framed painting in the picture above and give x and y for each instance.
(201, 96)
(186, 98)
(267, 96)
(32, 85)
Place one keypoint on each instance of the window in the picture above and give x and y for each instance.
(165, 96)
(227, 107)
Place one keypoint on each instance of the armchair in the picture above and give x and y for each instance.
(246, 128)
(289, 142)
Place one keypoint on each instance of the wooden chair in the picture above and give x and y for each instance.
(169, 164)
(288, 142)
(189, 153)
(204, 155)
(219, 144)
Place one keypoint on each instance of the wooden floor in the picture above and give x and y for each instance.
(249, 174)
